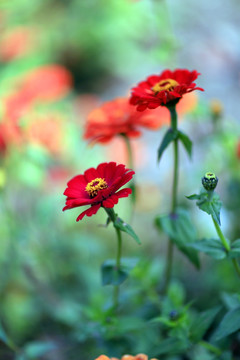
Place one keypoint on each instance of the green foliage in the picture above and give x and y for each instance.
(229, 324)
(181, 231)
(172, 135)
(211, 247)
(121, 225)
(208, 202)
(111, 275)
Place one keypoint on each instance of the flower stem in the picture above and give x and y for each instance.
(130, 165)
(113, 218)
(221, 236)
(118, 264)
(226, 245)
(168, 270)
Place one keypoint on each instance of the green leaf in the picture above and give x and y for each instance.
(111, 275)
(170, 346)
(211, 247)
(231, 301)
(121, 225)
(209, 203)
(187, 143)
(235, 249)
(181, 231)
(169, 136)
(229, 324)
(202, 323)
(38, 348)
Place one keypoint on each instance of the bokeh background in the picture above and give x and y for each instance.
(59, 60)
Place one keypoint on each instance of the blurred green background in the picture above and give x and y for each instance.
(59, 59)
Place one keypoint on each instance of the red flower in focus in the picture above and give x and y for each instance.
(118, 117)
(164, 89)
(98, 187)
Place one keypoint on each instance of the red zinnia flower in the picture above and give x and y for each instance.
(164, 89)
(118, 117)
(97, 187)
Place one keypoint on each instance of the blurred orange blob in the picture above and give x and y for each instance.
(16, 43)
(46, 130)
(118, 117)
(125, 357)
(238, 149)
(47, 83)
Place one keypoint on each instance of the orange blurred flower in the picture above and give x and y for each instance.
(126, 357)
(118, 117)
(16, 43)
(238, 149)
(47, 131)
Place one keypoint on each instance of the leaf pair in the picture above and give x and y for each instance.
(172, 135)
(113, 275)
(208, 202)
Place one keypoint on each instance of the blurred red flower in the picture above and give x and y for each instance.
(16, 42)
(118, 117)
(47, 131)
(164, 89)
(98, 188)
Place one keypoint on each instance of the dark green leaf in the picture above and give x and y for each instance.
(187, 143)
(231, 301)
(116, 276)
(229, 324)
(170, 346)
(194, 197)
(211, 247)
(121, 225)
(170, 136)
(235, 249)
(181, 231)
(202, 323)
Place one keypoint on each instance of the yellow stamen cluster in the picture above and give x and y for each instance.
(165, 85)
(95, 185)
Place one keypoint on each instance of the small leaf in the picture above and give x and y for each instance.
(231, 301)
(235, 249)
(202, 323)
(187, 143)
(194, 197)
(211, 247)
(229, 324)
(181, 231)
(38, 348)
(121, 225)
(111, 275)
(170, 346)
(167, 139)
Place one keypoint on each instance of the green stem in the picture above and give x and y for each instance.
(113, 217)
(168, 270)
(130, 165)
(118, 264)
(211, 348)
(226, 245)
(221, 236)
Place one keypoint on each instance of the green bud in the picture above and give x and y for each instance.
(209, 181)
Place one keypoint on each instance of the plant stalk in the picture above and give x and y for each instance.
(168, 269)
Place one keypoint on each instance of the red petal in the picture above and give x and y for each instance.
(89, 212)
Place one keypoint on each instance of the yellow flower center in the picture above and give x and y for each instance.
(94, 186)
(166, 84)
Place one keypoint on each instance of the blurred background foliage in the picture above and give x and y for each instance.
(58, 61)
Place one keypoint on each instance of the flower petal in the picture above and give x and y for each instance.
(89, 212)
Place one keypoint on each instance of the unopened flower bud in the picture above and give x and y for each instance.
(209, 181)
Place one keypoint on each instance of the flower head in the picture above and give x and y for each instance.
(209, 181)
(125, 357)
(98, 188)
(165, 89)
(118, 117)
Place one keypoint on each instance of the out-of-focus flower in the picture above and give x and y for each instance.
(118, 117)
(44, 84)
(238, 149)
(216, 108)
(16, 43)
(98, 188)
(126, 357)
(165, 89)
(47, 131)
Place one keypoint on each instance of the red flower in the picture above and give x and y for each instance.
(164, 89)
(97, 187)
(118, 117)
